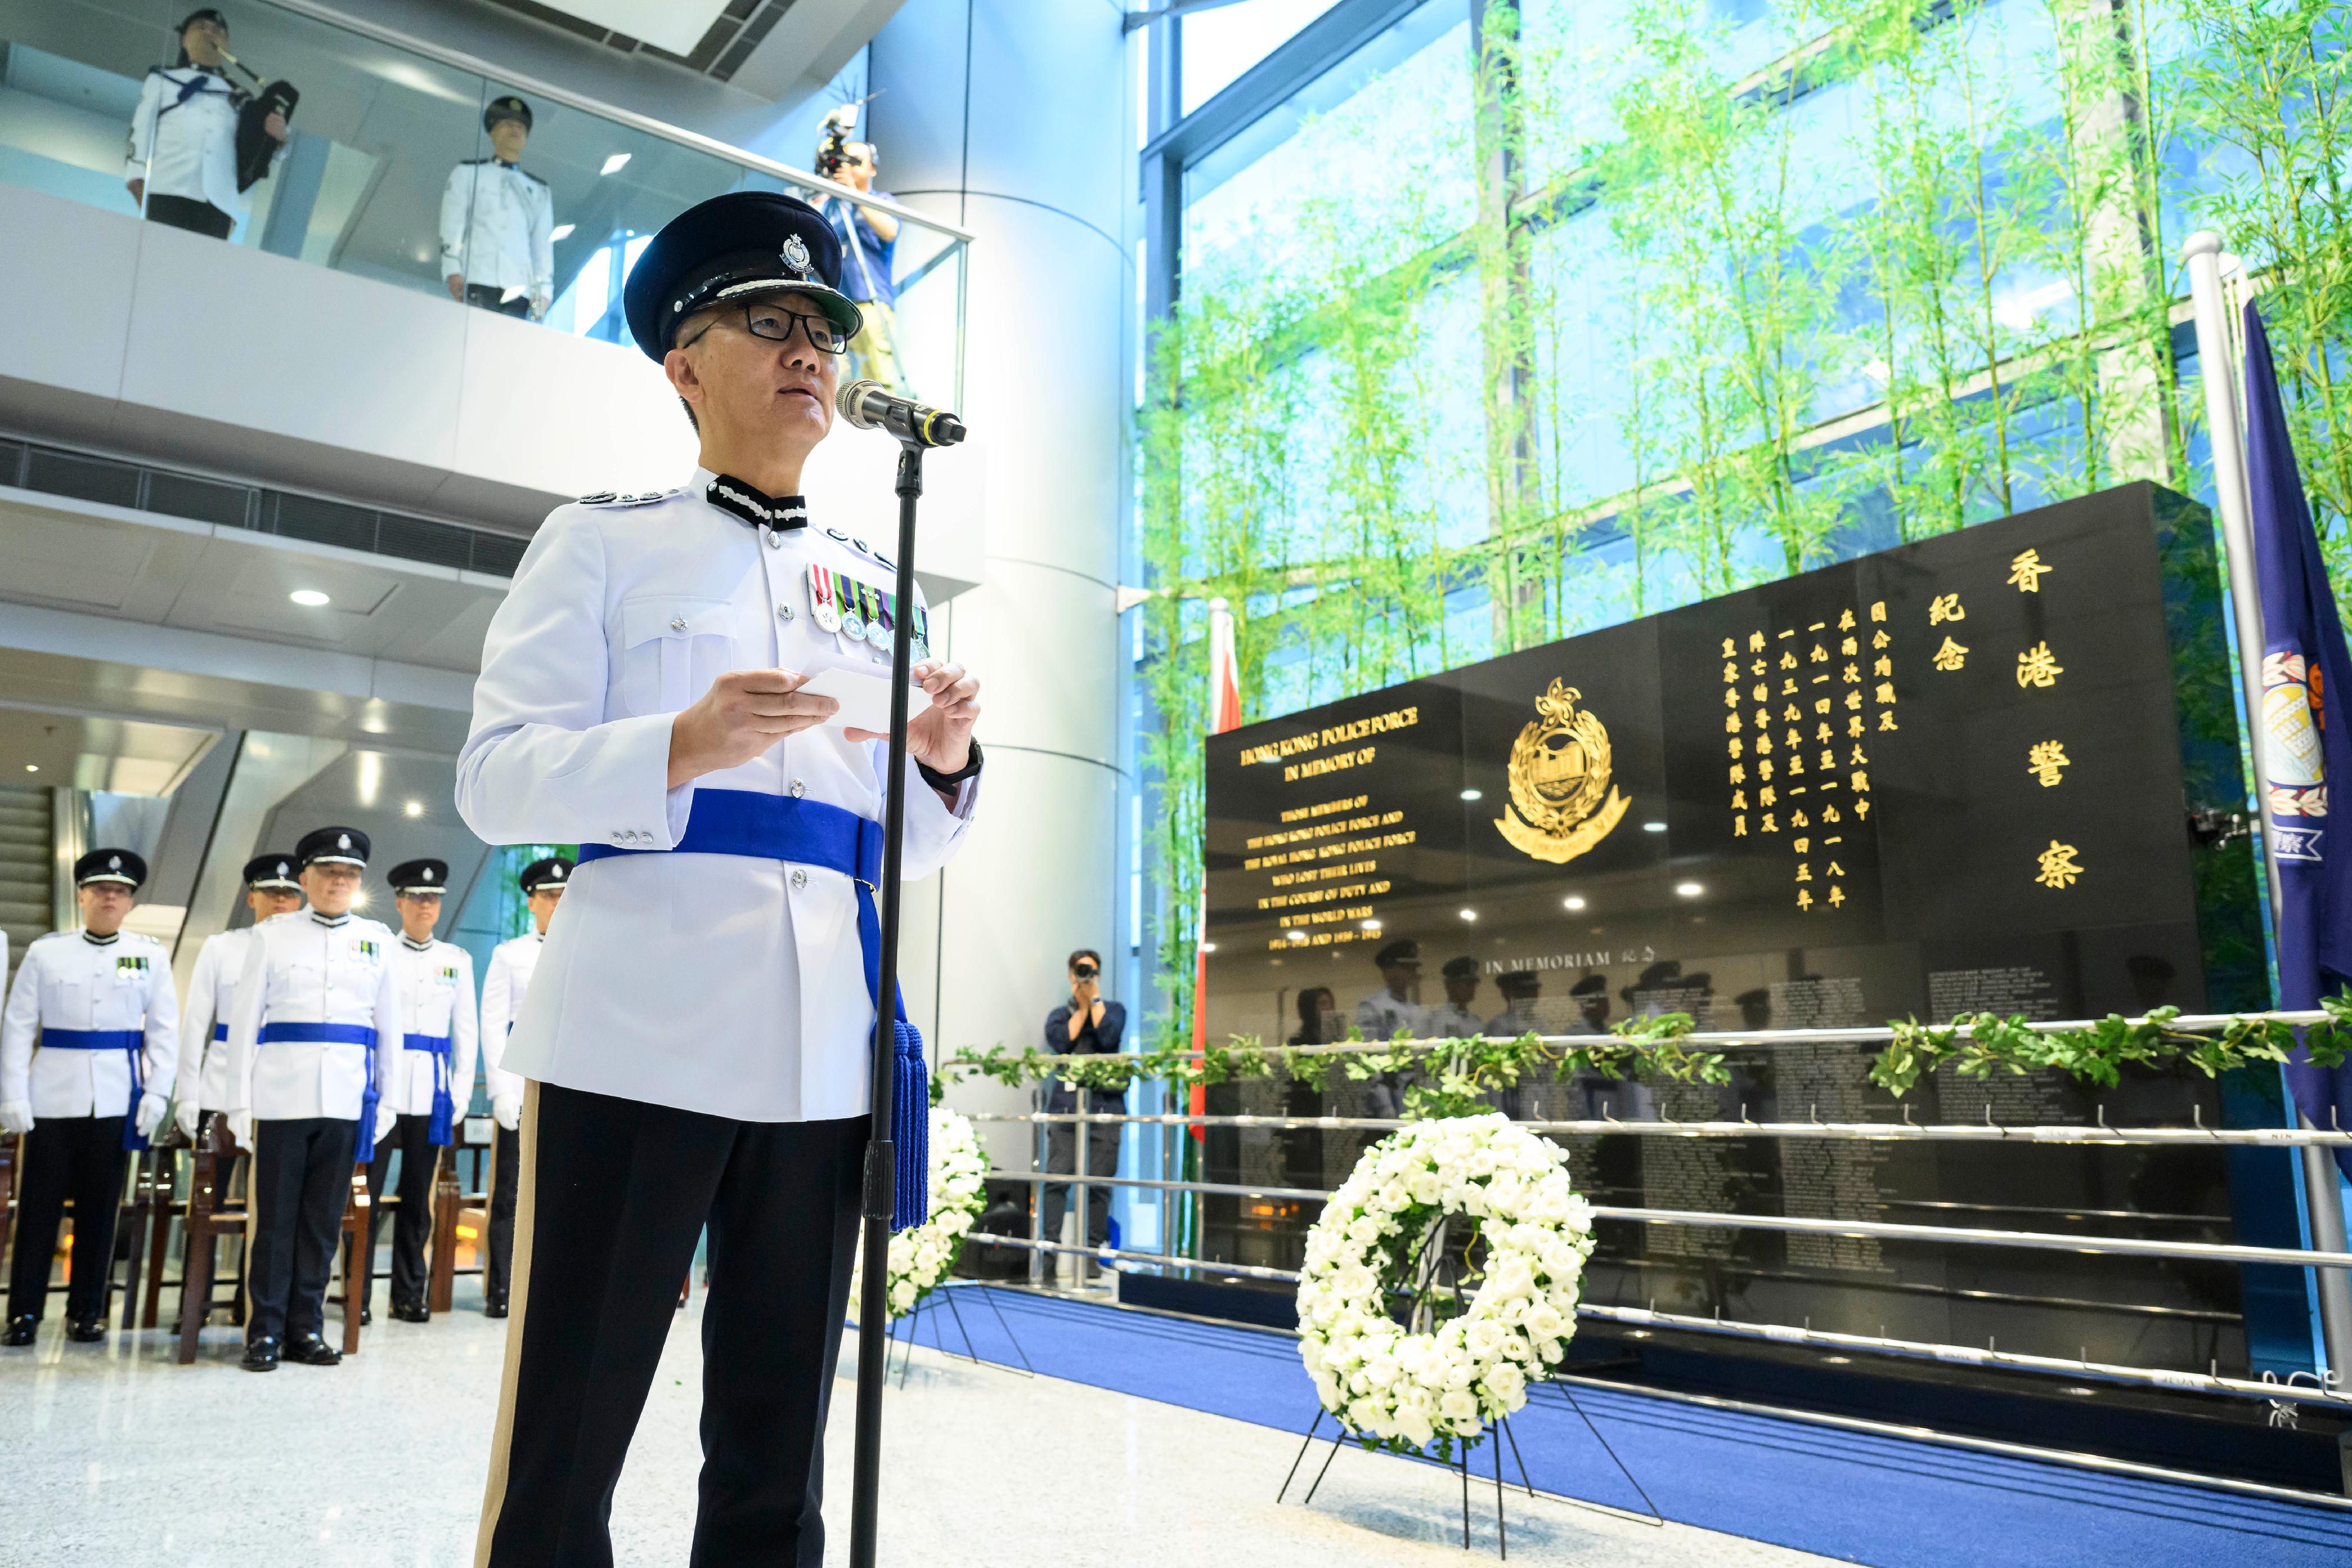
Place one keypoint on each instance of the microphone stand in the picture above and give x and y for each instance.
(880, 1153)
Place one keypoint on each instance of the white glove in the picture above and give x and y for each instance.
(152, 1108)
(240, 1127)
(15, 1116)
(187, 1115)
(508, 1109)
(385, 1115)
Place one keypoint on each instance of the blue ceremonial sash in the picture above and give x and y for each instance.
(308, 1033)
(814, 833)
(444, 1108)
(129, 1041)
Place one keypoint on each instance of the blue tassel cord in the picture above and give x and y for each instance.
(910, 1132)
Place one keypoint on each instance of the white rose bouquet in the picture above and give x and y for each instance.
(923, 1256)
(1406, 1392)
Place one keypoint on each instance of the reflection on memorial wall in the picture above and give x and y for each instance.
(1963, 775)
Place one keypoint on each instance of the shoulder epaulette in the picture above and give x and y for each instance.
(608, 498)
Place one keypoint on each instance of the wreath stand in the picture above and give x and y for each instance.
(947, 1293)
(1437, 1271)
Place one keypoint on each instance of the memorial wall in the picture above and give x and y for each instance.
(1997, 770)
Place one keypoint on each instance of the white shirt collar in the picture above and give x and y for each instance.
(96, 941)
(329, 920)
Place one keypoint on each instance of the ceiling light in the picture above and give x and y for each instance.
(1689, 889)
(1472, 794)
(359, 899)
(1371, 925)
(561, 231)
(614, 164)
(415, 808)
(1208, 947)
(1653, 827)
(308, 598)
(1296, 935)
(1838, 1360)
(1571, 901)
(32, 767)
(1469, 915)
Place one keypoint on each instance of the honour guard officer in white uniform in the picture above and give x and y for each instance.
(436, 1056)
(270, 889)
(88, 1045)
(498, 224)
(310, 1048)
(512, 964)
(696, 1038)
(181, 167)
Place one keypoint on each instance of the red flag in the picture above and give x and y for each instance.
(1224, 713)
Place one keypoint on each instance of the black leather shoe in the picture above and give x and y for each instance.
(311, 1351)
(411, 1312)
(20, 1329)
(85, 1330)
(367, 1316)
(260, 1355)
(496, 1309)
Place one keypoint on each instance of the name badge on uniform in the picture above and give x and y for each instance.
(852, 594)
(824, 600)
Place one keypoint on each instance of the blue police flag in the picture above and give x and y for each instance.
(2306, 676)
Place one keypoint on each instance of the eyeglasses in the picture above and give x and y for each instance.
(775, 322)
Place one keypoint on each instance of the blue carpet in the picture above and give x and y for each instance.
(1849, 1495)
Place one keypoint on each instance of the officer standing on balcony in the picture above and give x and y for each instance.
(498, 224)
(310, 1045)
(437, 1055)
(88, 1045)
(181, 167)
(269, 889)
(512, 964)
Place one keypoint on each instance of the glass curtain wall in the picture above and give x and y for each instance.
(391, 170)
(1521, 319)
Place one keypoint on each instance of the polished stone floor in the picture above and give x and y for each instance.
(110, 1454)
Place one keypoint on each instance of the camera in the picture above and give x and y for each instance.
(1086, 971)
(832, 152)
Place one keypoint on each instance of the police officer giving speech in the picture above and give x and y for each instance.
(88, 1044)
(318, 1018)
(696, 1041)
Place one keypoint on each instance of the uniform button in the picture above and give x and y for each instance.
(800, 788)
(677, 624)
(775, 539)
(784, 611)
(800, 879)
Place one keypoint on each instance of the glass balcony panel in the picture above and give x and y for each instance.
(388, 157)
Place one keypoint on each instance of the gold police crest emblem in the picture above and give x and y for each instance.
(1561, 800)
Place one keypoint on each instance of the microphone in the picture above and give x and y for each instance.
(870, 405)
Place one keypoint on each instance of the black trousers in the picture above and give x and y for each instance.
(617, 1192)
(79, 1158)
(485, 296)
(187, 213)
(506, 1182)
(301, 1180)
(1102, 1160)
(411, 1136)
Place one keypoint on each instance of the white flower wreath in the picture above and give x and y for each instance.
(920, 1258)
(1401, 1390)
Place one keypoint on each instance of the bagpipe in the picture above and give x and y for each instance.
(254, 145)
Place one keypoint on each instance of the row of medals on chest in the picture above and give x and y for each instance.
(861, 612)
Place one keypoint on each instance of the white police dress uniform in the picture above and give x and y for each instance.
(497, 228)
(184, 139)
(311, 1042)
(698, 1033)
(88, 1045)
(504, 985)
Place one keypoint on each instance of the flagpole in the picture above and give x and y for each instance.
(2323, 1200)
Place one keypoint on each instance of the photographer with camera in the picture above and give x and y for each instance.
(1084, 1025)
(869, 241)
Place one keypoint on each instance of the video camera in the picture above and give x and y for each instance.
(832, 152)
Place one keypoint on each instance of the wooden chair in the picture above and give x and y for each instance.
(209, 1218)
(8, 1147)
(159, 1235)
(358, 1263)
(456, 1219)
